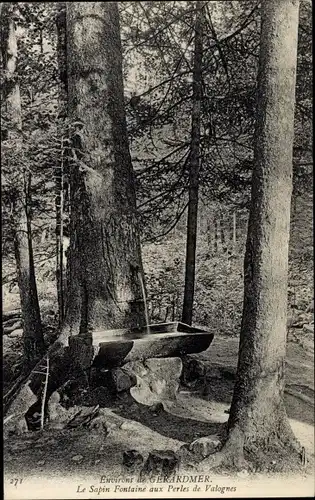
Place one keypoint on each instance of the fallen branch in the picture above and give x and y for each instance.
(299, 395)
(8, 397)
(7, 419)
(59, 367)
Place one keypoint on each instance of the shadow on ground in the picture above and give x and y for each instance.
(169, 425)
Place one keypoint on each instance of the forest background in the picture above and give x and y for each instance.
(192, 79)
(157, 55)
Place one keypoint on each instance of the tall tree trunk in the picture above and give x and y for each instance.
(105, 255)
(60, 170)
(194, 166)
(32, 328)
(257, 415)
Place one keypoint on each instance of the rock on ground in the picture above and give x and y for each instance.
(122, 380)
(157, 379)
(132, 459)
(160, 462)
(205, 446)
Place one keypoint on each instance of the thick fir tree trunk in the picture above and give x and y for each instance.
(105, 255)
(194, 166)
(32, 328)
(105, 258)
(257, 415)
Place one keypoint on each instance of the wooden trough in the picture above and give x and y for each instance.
(113, 348)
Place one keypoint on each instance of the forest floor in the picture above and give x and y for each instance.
(81, 455)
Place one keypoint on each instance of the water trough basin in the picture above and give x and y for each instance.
(117, 347)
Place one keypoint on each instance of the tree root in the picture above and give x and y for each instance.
(231, 455)
(238, 454)
(227, 459)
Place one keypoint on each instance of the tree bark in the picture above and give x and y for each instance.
(257, 414)
(23, 249)
(105, 256)
(194, 166)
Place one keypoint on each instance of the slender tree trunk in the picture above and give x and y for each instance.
(222, 235)
(61, 24)
(41, 41)
(32, 328)
(257, 415)
(234, 236)
(59, 234)
(59, 170)
(105, 255)
(209, 233)
(215, 236)
(194, 167)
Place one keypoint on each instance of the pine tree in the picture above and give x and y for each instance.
(105, 257)
(258, 417)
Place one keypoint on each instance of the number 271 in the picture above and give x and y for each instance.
(16, 481)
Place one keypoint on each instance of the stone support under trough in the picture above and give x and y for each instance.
(158, 379)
